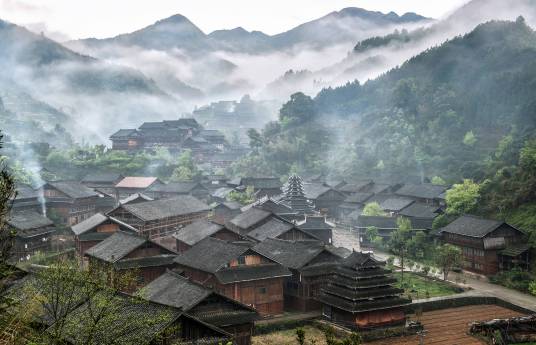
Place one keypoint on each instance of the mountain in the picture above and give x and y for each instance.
(179, 32)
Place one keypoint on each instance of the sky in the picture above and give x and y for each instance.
(72, 19)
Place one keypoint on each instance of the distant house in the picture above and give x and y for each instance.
(190, 235)
(105, 202)
(96, 229)
(161, 217)
(279, 228)
(70, 201)
(263, 186)
(225, 211)
(27, 198)
(249, 220)
(300, 289)
(174, 189)
(102, 180)
(238, 272)
(426, 193)
(318, 226)
(353, 202)
(325, 199)
(488, 246)
(421, 213)
(126, 140)
(395, 204)
(205, 304)
(128, 253)
(135, 185)
(33, 233)
(354, 187)
(220, 194)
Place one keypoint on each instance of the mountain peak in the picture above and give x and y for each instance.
(176, 18)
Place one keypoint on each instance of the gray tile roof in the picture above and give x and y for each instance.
(271, 229)
(232, 205)
(88, 224)
(146, 261)
(424, 191)
(175, 290)
(315, 222)
(250, 217)
(261, 182)
(358, 198)
(354, 187)
(420, 210)
(109, 177)
(211, 254)
(116, 247)
(314, 190)
(251, 273)
(472, 226)
(158, 209)
(29, 223)
(292, 254)
(73, 189)
(197, 231)
(396, 203)
(175, 187)
(124, 133)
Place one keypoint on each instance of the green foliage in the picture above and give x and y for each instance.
(516, 279)
(244, 198)
(438, 181)
(399, 241)
(373, 236)
(186, 168)
(440, 221)
(469, 139)
(373, 209)
(462, 198)
(447, 257)
(298, 110)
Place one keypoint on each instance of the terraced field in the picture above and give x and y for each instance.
(449, 326)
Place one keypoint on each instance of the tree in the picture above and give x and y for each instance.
(399, 241)
(186, 169)
(298, 110)
(462, 198)
(373, 209)
(373, 236)
(438, 181)
(244, 198)
(448, 257)
(469, 139)
(255, 139)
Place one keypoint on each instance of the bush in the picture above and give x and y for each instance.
(514, 279)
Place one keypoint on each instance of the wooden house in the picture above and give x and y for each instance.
(70, 202)
(238, 272)
(279, 228)
(225, 211)
(352, 203)
(161, 217)
(354, 187)
(134, 185)
(263, 186)
(361, 295)
(325, 198)
(174, 290)
(393, 205)
(386, 226)
(488, 246)
(96, 229)
(135, 199)
(127, 140)
(104, 181)
(249, 220)
(318, 226)
(157, 324)
(300, 257)
(28, 198)
(425, 193)
(192, 234)
(128, 253)
(33, 233)
(174, 189)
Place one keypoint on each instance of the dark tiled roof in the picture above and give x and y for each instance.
(270, 205)
(250, 218)
(222, 192)
(420, 210)
(396, 203)
(175, 290)
(116, 247)
(29, 223)
(26, 192)
(251, 273)
(148, 261)
(292, 254)
(197, 231)
(424, 191)
(472, 226)
(354, 187)
(378, 188)
(158, 209)
(73, 189)
(358, 198)
(88, 224)
(232, 205)
(514, 250)
(314, 190)
(109, 177)
(175, 187)
(271, 229)
(124, 133)
(315, 222)
(211, 254)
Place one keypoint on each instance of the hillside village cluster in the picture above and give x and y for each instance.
(225, 266)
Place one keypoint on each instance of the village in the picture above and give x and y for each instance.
(240, 258)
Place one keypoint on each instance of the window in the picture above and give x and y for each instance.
(242, 260)
(262, 290)
(478, 266)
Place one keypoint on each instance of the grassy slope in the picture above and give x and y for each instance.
(417, 286)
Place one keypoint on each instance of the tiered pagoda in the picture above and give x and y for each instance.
(361, 294)
(294, 196)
